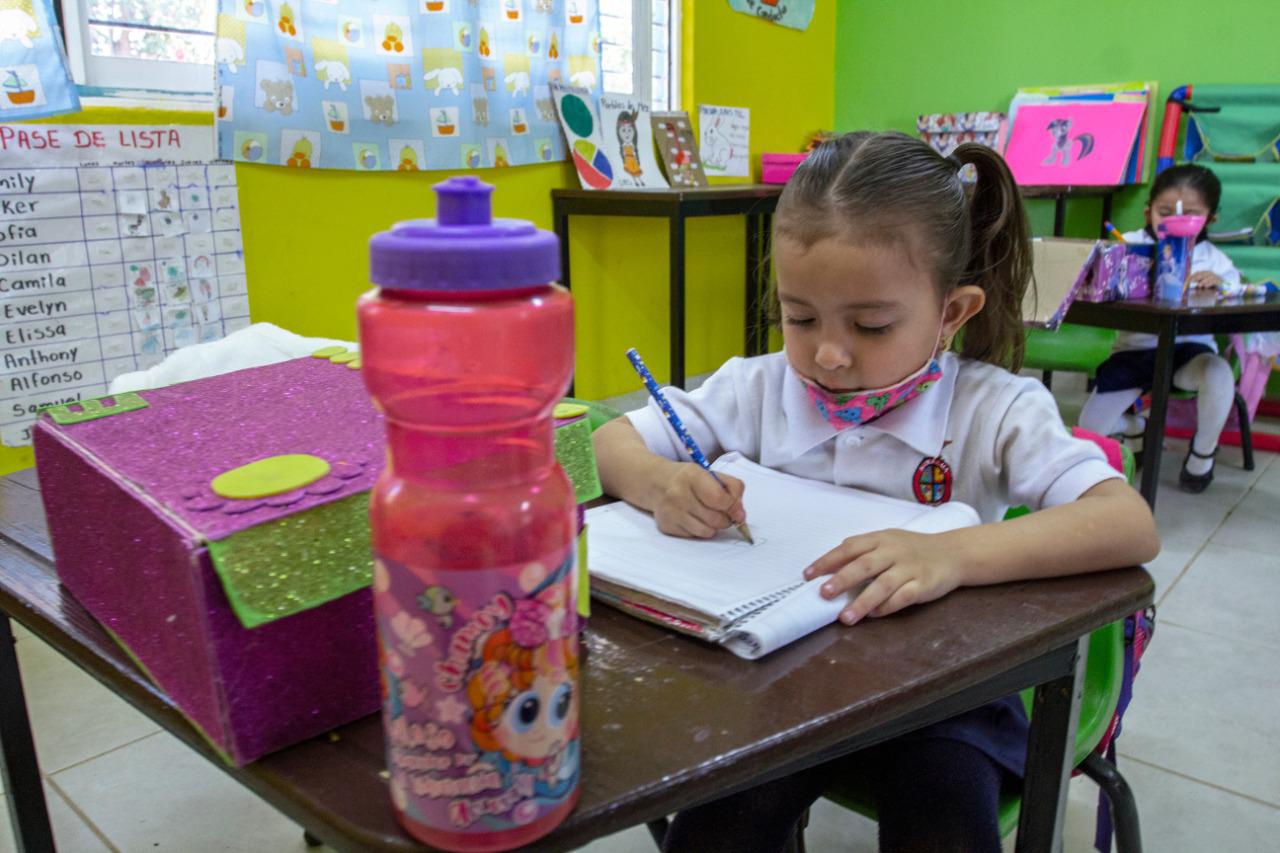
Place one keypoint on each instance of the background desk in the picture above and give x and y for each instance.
(1060, 194)
(1203, 314)
(667, 722)
(754, 201)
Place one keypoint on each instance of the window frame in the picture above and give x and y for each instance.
(642, 53)
(195, 81)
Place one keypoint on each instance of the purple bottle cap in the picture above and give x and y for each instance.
(464, 249)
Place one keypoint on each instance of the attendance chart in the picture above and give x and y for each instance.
(105, 270)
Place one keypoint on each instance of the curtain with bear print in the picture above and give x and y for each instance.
(34, 80)
(399, 84)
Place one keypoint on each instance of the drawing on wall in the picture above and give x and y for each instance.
(679, 151)
(627, 135)
(583, 133)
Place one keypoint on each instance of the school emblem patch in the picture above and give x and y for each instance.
(932, 482)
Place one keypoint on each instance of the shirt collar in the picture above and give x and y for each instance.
(920, 423)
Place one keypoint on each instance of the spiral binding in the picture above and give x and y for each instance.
(749, 609)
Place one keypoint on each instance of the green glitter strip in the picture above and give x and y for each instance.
(577, 456)
(297, 562)
(92, 409)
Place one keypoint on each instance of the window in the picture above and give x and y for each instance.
(640, 50)
(162, 45)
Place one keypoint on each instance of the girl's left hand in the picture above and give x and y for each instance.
(903, 568)
(1204, 280)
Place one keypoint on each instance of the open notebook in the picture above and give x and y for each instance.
(750, 598)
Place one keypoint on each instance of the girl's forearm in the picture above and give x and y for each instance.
(628, 468)
(1108, 527)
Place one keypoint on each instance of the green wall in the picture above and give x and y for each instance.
(895, 60)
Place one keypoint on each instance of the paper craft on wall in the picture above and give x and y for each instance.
(401, 84)
(1074, 142)
(946, 131)
(34, 80)
(678, 149)
(795, 14)
(726, 140)
(627, 136)
(106, 269)
(581, 124)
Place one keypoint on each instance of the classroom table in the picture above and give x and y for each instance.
(1202, 313)
(667, 722)
(756, 202)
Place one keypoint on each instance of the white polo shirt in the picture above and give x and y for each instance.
(1000, 434)
(1205, 256)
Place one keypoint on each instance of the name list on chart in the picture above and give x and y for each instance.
(105, 270)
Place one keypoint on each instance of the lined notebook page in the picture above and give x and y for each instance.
(793, 520)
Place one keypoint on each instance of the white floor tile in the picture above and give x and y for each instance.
(70, 833)
(1182, 816)
(1204, 706)
(73, 716)
(1176, 553)
(1231, 592)
(158, 793)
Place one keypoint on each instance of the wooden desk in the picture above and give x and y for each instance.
(667, 722)
(1202, 314)
(754, 201)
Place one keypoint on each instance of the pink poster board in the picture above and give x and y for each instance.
(1073, 143)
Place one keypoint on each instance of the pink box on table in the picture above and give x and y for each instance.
(778, 168)
(252, 612)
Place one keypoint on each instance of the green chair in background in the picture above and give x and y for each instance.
(1072, 348)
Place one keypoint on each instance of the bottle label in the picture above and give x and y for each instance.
(480, 691)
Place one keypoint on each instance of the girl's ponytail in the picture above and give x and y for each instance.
(999, 259)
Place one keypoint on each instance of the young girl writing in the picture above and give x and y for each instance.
(1130, 371)
(882, 255)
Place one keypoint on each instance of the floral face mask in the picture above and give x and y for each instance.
(855, 408)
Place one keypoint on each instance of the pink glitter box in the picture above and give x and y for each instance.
(241, 590)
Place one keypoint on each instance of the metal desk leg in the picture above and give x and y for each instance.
(754, 297)
(560, 220)
(1050, 759)
(23, 790)
(1153, 441)
(1059, 214)
(677, 299)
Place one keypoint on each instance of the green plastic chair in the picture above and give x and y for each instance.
(1103, 679)
(1072, 348)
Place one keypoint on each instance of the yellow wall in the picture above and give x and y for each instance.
(305, 234)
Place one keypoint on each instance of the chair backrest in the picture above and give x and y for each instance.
(1072, 348)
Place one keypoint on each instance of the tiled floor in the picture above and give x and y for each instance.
(1199, 746)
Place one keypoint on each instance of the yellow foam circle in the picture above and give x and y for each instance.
(344, 357)
(328, 352)
(569, 410)
(271, 476)
(354, 364)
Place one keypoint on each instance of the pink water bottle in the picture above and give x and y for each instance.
(467, 344)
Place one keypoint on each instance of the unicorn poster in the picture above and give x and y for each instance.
(1073, 143)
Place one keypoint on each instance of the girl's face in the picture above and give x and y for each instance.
(858, 317)
(540, 721)
(628, 133)
(1166, 204)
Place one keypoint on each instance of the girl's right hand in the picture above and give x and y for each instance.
(693, 505)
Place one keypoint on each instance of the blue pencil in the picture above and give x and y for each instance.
(672, 418)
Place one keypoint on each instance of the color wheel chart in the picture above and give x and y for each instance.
(582, 130)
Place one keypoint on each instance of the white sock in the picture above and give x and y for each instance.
(1210, 377)
(1105, 412)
